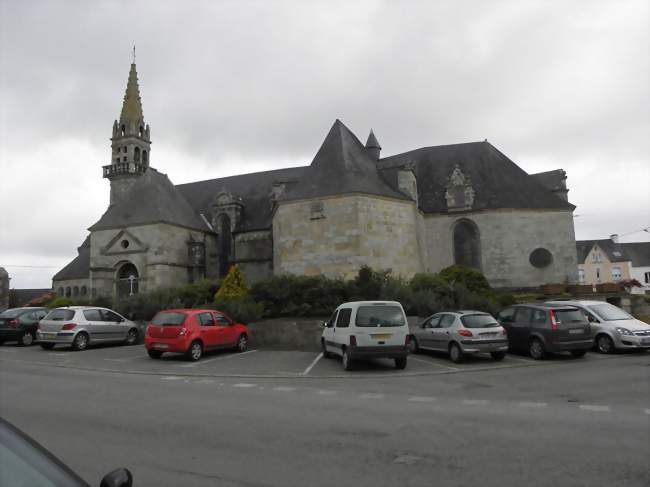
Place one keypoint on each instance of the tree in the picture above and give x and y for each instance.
(233, 286)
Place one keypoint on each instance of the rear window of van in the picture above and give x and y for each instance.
(382, 316)
(60, 315)
(168, 319)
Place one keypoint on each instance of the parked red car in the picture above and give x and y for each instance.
(192, 332)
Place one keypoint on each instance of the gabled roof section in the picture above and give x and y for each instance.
(372, 142)
(553, 180)
(496, 180)
(152, 199)
(79, 267)
(615, 252)
(341, 166)
(638, 252)
(132, 104)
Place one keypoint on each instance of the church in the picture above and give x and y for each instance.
(418, 211)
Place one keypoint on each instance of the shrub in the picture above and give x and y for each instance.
(59, 302)
(472, 279)
(368, 283)
(242, 310)
(198, 293)
(233, 286)
(144, 306)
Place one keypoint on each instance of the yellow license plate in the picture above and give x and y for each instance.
(382, 337)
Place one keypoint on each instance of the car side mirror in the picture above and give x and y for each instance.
(323, 324)
(117, 478)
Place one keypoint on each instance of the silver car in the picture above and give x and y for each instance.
(460, 333)
(80, 326)
(613, 328)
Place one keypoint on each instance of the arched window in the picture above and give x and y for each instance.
(144, 156)
(136, 154)
(84, 290)
(68, 292)
(467, 244)
(225, 243)
(123, 130)
(127, 281)
(75, 291)
(60, 291)
(141, 131)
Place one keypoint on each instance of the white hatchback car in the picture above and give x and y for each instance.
(367, 329)
(80, 326)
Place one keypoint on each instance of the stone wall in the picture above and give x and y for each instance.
(337, 235)
(72, 288)
(507, 238)
(254, 254)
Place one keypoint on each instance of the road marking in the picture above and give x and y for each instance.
(244, 385)
(204, 381)
(284, 389)
(600, 409)
(475, 402)
(324, 392)
(220, 357)
(421, 399)
(172, 377)
(433, 363)
(371, 395)
(533, 404)
(524, 360)
(311, 366)
(647, 411)
(7, 350)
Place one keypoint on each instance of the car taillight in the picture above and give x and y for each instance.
(504, 331)
(68, 326)
(353, 341)
(183, 332)
(554, 322)
(13, 324)
(465, 333)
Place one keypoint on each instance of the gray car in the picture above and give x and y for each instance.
(460, 333)
(613, 328)
(80, 326)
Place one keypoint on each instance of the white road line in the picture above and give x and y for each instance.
(244, 385)
(371, 395)
(475, 402)
(284, 389)
(421, 399)
(7, 350)
(171, 377)
(524, 360)
(533, 404)
(590, 407)
(311, 366)
(220, 357)
(324, 392)
(433, 363)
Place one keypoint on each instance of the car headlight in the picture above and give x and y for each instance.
(623, 331)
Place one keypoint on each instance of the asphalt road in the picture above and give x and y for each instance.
(292, 419)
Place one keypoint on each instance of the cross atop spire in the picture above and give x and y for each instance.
(132, 105)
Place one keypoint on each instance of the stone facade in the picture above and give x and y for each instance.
(335, 236)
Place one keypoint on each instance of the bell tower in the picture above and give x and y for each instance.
(130, 143)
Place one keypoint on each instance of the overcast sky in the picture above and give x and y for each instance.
(235, 87)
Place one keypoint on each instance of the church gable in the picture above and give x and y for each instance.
(124, 242)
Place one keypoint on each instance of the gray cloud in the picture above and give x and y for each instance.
(238, 86)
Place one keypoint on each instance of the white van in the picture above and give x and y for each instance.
(367, 329)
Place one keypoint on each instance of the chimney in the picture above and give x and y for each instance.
(614, 237)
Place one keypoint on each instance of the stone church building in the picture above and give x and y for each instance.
(418, 211)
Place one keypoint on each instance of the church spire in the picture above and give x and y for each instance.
(372, 146)
(132, 104)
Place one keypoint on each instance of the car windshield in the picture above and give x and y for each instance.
(60, 315)
(382, 316)
(478, 321)
(609, 312)
(12, 313)
(569, 316)
(168, 319)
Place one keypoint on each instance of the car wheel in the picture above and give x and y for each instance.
(80, 342)
(326, 354)
(195, 351)
(242, 343)
(498, 356)
(154, 353)
(131, 337)
(400, 363)
(536, 349)
(455, 353)
(605, 344)
(26, 339)
(47, 346)
(578, 353)
(346, 360)
(414, 347)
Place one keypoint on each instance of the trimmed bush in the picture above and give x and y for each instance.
(233, 286)
(472, 279)
(241, 310)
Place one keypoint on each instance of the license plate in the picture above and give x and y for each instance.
(382, 337)
(161, 346)
(575, 332)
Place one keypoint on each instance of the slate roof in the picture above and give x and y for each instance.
(553, 180)
(615, 252)
(372, 142)
(639, 253)
(23, 297)
(132, 104)
(79, 268)
(342, 165)
(254, 190)
(152, 199)
(497, 181)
